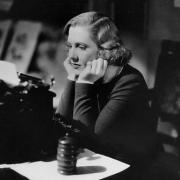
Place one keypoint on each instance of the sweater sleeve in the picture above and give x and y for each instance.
(85, 105)
(66, 104)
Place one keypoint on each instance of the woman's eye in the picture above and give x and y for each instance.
(67, 47)
(82, 47)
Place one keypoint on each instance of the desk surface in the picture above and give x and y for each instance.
(89, 166)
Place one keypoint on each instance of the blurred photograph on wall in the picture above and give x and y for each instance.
(48, 58)
(23, 44)
(4, 29)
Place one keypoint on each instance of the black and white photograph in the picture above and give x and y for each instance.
(89, 89)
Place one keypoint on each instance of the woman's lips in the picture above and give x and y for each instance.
(76, 66)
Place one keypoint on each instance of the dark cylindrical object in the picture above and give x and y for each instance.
(67, 155)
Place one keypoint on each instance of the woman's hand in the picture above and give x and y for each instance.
(93, 71)
(71, 71)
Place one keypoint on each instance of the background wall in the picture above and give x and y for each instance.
(163, 23)
(143, 24)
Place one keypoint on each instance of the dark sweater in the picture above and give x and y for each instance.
(116, 114)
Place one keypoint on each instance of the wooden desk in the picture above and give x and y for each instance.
(90, 166)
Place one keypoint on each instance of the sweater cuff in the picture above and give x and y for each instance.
(69, 82)
(82, 81)
(84, 88)
(69, 87)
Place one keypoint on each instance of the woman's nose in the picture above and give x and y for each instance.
(73, 56)
(75, 59)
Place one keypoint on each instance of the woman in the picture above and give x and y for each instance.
(103, 94)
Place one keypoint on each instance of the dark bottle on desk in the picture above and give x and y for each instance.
(67, 154)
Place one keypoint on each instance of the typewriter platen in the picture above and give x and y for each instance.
(34, 81)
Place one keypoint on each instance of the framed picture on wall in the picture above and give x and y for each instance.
(4, 29)
(23, 44)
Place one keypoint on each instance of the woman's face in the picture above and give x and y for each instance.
(81, 48)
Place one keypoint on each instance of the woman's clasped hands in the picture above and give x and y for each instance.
(91, 72)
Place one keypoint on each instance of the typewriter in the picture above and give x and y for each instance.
(26, 120)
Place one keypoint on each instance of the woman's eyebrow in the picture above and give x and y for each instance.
(80, 43)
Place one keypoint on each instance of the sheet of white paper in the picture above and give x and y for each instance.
(89, 166)
(8, 73)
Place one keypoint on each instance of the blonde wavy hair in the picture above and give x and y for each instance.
(102, 29)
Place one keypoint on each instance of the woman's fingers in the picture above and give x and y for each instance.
(94, 70)
(88, 66)
(105, 64)
(94, 67)
(99, 66)
(72, 72)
